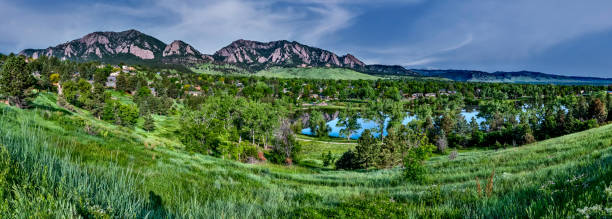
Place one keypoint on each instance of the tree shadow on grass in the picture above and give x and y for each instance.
(156, 206)
(48, 108)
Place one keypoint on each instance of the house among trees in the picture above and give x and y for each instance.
(111, 81)
(153, 91)
(194, 93)
(417, 95)
(126, 68)
(446, 92)
(430, 95)
(407, 96)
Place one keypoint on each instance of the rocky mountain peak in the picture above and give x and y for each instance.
(258, 55)
(103, 46)
(179, 47)
(133, 45)
(181, 52)
(352, 62)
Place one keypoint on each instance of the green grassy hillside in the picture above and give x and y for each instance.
(214, 69)
(56, 163)
(316, 73)
(309, 73)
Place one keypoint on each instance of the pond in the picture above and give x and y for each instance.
(369, 124)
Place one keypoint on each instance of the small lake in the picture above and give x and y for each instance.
(369, 124)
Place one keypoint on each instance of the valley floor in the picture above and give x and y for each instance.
(77, 165)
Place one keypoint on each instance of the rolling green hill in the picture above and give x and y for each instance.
(280, 72)
(524, 77)
(78, 165)
(215, 69)
(316, 73)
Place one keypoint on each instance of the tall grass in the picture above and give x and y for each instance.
(45, 184)
(55, 166)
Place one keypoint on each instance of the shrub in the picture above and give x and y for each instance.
(453, 155)
(149, 124)
(327, 158)
(441, 142)
(414, 168)
(348, 161)
(367, 150)
(286, 148)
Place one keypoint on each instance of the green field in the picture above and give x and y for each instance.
(308, 73)
(316, 73)
(278, 72)
(58, 169)
(214, 69)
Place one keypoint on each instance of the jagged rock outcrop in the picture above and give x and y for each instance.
(183, 53)
(122, 46)
(132, 46)
(104, 45)
(258, 55)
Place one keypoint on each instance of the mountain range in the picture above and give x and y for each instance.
(130, 45)
(526, 77)
(135, 47)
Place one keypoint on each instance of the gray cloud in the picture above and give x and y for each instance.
(207, 25)
(498, 31)
(487, 35)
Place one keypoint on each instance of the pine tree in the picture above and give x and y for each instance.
(15, 79)
(367, 150)
(149, 124)
(122, 82)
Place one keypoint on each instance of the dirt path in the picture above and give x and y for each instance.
(326, 142)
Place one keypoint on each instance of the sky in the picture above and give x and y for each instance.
(564, 37)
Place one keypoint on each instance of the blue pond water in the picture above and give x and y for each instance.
(369, 124)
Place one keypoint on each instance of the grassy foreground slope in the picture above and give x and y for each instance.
(54, 165)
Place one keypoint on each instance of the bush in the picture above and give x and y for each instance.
(120, 114)
(441, 142)
(327, 158)
(413, 163)
(453, 154)
(242, 151)
(348, 161)
(285, 148)
(149, 124)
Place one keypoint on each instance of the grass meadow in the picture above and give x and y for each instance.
(315, 73)
(56, 163)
